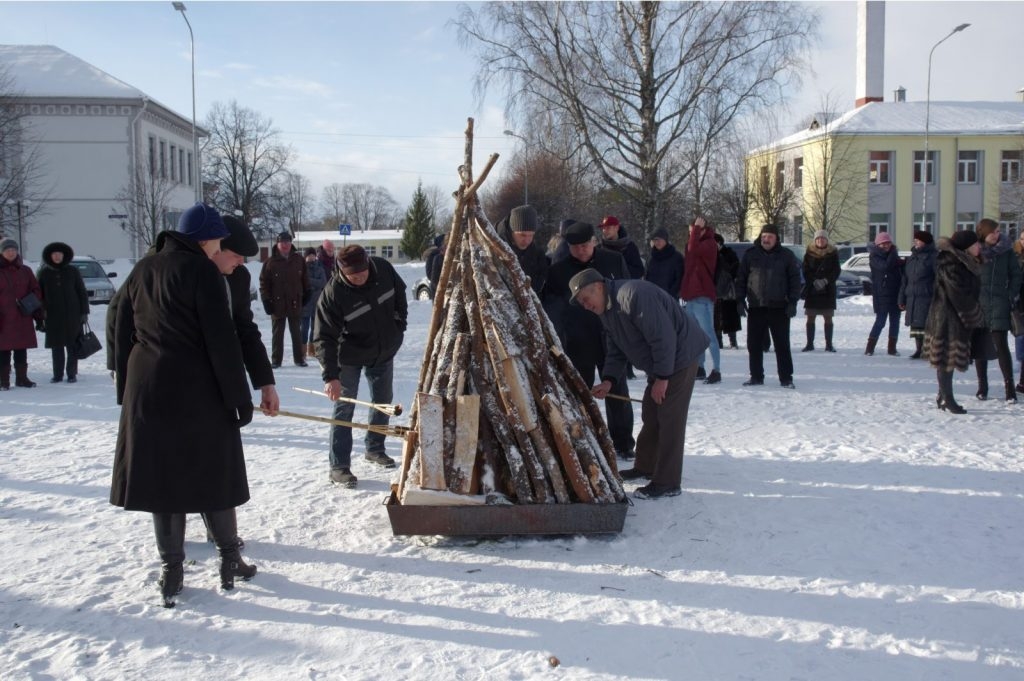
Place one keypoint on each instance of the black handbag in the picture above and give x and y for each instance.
(87, 344)
(1016, 322)
(29, 303)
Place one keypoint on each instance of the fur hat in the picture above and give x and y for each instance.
(924, 236)
(353, 259)
(202, 223)
(883, 238)
(770, 229)
(523, 219)
(9, 243)
(963, 240)
(579, 233)
(239, 238)
(581, 280)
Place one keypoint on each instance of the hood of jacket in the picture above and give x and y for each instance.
(56, 246)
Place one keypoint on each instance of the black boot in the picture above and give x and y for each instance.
(1020, 383)
(828, 337)
(945, 400)
(892, 347)
(224, 526)
(1011, 392)
(981, 367)
(5, 377)
(734, 346)
(21, 378)
(870, 349)
(810, 338)
(170, 542)
(918, 346)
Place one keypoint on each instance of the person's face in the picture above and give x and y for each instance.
(821, 242)
(591, 298)
(10, 254)
(226, 260)
(358, 278)
(610, 232)
(210, 248)
(57, 257)
(522, 239)
(311, 258)
(583, 252)
(768, 240)
(993, 238)
(974, 249)
(284, 247)
(329, 248)
(886, 246)
(658, 243)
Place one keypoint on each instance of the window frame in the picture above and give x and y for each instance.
(967, 168)
(879, 167)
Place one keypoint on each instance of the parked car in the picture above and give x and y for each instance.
(97, 281)
(849, 284)
(421, 289)
(859, 265)
(846, 250)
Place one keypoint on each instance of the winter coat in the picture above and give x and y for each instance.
(64, 297)
(16, 282)
(886, 276)
(725, 274)
(360, 325)
(701, 263)
(284, 284)
(181, 386)
(254, 352)
(326, 261)
(576, 326)
(1000, 283)
(647, 327)
(769, 278)
(820, 263)
(532, 259)
(317, 282)
(955, 311)
(625, 247)
(665, 269)
(918, 284)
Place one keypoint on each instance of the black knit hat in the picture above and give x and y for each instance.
(964, 239)
(523, 219)
(284, 236)
(924, 236)
(660, 233)
(770, 229)
(579, 233)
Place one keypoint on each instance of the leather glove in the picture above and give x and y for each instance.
(820, 284)
(266, 307)
(40, 326)
(244, 415)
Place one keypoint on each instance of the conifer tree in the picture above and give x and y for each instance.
(417, 229)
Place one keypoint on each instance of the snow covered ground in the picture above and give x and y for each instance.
(844, 530)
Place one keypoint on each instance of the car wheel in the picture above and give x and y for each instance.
(423, 293)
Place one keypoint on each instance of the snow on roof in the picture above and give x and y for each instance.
(48, 71)
(355, 237)
(908, 118)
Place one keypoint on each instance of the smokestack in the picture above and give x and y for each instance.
(870, 51)
(899, 94)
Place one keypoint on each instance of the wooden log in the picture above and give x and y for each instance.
(574, 472)
(408, 453)
(467, 428)
(428, 497)
(431, 412)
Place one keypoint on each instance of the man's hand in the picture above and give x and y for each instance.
(658, 390)
(601, 390)
(270, 403)
(333, 389)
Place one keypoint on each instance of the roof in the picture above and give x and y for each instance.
(908, 118)
(48, 71)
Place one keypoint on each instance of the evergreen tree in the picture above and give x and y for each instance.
(417, 230)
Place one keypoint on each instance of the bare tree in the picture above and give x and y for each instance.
(23, 184)
(637, 79)
(243, 156)
(332, 203)
(145, 200)
(293, 200)
(369, 207)
(770, 189)
(833, 179)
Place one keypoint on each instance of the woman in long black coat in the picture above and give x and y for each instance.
(1000, 286)
(917, 287)
(955, 313)
(67, 308)
(182, 386)
(727, 313)
(886, 276)
(821, 270)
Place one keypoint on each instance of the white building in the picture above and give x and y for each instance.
(384, 243)
(91, 130)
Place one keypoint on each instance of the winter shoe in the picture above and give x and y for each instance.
(231, 566)
(72, 379)
(787, 384)
(172, 581)
(732, 342)
(170, 542)
(982, 368)
(892, 348)
(714, 377)
(870, 349)
(653, 491)
(633, 474)
(810, 338)
(918, 347)
(828, 338)
(57, 379)
(380, 458)
(1011, 393)
(21, 378)
(224, 526)
(754, 381)
(625, 454)
(343, 477)
(301, 363)
(808, 348)
(700, 374)
(945, 399)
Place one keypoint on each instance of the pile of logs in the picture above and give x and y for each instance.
(501, 415)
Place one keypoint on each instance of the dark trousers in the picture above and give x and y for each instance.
(306, 330)
(381, 382)
(760, 322)
(1002, 354)
(618, 412)
(893, 316)
(662, 439)
(59, 365)
(20, 358)
(277, 337)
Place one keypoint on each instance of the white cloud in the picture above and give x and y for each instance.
(291, 84)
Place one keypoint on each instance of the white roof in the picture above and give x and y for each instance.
(908, 118)
(48, 71)
(355, 237)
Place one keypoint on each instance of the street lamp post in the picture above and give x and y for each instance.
(180, 7)
(526, 166)
(927, 121)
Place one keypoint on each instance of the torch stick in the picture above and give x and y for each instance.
(623, 398)
(389, 409)
(393, 431)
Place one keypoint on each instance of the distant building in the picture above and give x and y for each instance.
(93, 132)
(383, 243)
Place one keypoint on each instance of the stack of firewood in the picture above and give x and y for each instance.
(501, 415)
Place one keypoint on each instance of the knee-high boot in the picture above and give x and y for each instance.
(918, 347)
(224, 526)
(829, 328)
(945, 400)
(981, 367)
(170, 542)
(21, 378)
(810, 337)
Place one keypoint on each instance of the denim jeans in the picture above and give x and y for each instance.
(703, 310)
(894, 323)
(380, 380)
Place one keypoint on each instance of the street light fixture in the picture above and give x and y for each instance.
(180, 7)
(927, 121)
(526, 166)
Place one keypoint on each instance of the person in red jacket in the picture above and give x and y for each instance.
(698, 290)
(16, 335)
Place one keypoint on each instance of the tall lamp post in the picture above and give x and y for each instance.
(526, 166)
(927, 121)
(180, 7)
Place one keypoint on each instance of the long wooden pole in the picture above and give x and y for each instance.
(394, 431)
(389, 409)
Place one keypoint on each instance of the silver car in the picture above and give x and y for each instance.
(97, 281)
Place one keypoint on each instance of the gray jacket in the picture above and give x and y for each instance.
(647, 327)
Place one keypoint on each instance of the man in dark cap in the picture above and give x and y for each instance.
(519, 231)
(581, 332)
(615, 238)
(284, 289)
(360, 324)
(647, 327)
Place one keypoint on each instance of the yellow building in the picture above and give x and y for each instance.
(863, 172)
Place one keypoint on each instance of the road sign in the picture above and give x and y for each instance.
(344, 229)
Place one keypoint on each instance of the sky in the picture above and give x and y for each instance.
(380, 92)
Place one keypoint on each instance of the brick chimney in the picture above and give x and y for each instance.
(870, 51)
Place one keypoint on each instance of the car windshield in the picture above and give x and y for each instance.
(90, 269)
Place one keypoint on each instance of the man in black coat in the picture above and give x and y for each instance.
(665, 267)
(518, 231)
(284, 290)
(360, 325)
(581, 332)
(615, 238)
(768, 283)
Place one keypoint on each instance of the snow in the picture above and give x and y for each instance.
(844, 530)
(48, 71)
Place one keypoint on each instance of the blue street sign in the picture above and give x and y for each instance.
(344, 230)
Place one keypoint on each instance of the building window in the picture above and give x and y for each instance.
(967, 167)
(181, 165)
(966, 221)
(927, 225)
(190, 169)
(919, 167)
(798, 229)
(371, 250)
(387, 252)
(163, 159)
(878, 167)
(1009, 225)
(780, 175)
(877, 223)
(152, 156)
(798, 172)
(174, 158)
(764, 179)
(1010, 170)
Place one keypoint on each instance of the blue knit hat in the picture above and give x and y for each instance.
(202, 223)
